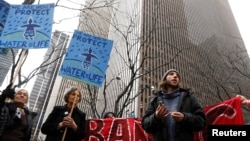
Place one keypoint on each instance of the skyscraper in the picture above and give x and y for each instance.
(199, 38)
(6, 58)
(202, 41)
(45, 81)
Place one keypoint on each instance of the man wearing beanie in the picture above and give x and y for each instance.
(173, 113)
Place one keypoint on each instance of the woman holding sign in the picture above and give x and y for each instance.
(65, 123)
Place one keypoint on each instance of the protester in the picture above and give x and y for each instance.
(15, 119)
(60, 121)
(173, 112)
(244, 100)
(108, 115)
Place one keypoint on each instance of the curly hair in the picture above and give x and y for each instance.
(66, 97)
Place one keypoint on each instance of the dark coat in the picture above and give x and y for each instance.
(49, 127)
(8, 116)
(194, 118)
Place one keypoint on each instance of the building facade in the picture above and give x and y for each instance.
(6, 57)
(199, 38)
(112, 21)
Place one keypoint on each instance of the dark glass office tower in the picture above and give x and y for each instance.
(200, 38)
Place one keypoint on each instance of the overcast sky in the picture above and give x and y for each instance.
(240, 8)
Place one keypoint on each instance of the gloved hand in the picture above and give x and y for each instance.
(8, 92)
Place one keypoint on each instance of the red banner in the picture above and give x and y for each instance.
(228, 112)
(111, 129)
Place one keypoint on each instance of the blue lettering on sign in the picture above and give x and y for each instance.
(39, 44)
(33, 9)
(90, 41)
(32, 12)
(78, 73)
(14, 43)
(23, 44)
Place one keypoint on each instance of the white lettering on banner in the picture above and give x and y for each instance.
(123, 129)
(216, 132)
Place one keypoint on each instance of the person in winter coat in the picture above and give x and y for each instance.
(61, 121)
(15, 118)
(173, 113)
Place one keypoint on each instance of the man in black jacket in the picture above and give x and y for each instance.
(173, 113)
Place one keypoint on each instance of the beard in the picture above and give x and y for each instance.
(169, 85)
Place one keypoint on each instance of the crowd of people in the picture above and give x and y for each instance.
(172, 114)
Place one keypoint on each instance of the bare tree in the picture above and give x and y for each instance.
(232, 64)
(131, 51)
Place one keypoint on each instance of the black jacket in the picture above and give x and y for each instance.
(8, 114)
(9, 119)
(49, 127)
(194, 118)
